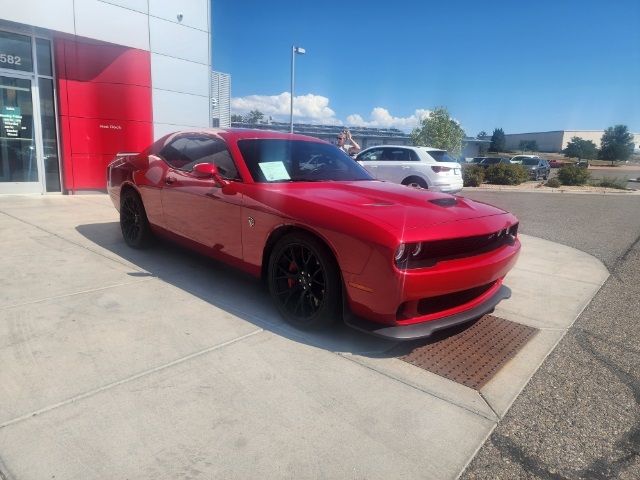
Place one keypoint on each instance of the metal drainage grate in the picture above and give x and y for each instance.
(474, 355)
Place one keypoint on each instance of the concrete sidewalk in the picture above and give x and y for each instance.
(159, 364)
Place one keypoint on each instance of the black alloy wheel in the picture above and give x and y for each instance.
(304, 281)
(133, 220)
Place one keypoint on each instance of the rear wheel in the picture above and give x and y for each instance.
(415, 182)
(133, 220)
(304, 281)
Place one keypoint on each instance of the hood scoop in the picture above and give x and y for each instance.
(445, 202)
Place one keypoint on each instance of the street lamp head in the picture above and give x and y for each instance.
(299, 50)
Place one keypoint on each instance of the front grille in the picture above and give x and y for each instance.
(439, 250)
(430, 305)
(440, 303)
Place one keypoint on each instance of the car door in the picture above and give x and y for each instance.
(371, 160)
(398, 164)
(196, 208)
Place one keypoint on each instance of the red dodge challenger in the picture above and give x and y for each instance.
(330, 241)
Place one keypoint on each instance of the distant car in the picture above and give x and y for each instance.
(582, 164)
(486, 162)
(537, 167)
(519, 158)
(421, 167)
(557, 163)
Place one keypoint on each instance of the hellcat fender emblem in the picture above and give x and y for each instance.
(252, 222)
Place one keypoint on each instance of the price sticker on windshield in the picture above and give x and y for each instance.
(274, 171)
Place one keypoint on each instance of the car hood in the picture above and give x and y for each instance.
(394, 206)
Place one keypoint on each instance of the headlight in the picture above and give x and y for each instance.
(400, 252)
(407, 250)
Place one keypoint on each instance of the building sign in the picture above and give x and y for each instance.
(11, 121)
(15, 52)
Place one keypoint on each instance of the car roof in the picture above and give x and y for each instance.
(234, 134)
(409, 147)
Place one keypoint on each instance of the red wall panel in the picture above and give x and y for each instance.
(108, 100)
(91, 135)
(104, 96)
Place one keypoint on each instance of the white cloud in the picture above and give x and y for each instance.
(380, 117)
(307, 108)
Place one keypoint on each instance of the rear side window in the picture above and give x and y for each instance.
(441, 156)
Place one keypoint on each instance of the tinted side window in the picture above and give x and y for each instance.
(186, 152)
(396, 155)
(172, 153)
(371, 155)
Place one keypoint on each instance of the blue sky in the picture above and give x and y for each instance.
(519, 65)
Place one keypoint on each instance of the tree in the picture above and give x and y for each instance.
(439, 130)
(581, 148)
(498, 141)
(530, 145)
(254, 116)
(481, 134)
(616, 144)
(236, 118)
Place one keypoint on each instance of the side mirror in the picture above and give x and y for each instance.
(209, 170)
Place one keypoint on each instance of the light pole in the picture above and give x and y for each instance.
(300, 51)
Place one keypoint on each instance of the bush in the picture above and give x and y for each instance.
(505, 174)
(573, 175)
(473, 176)
(618, 183)
(553, 183)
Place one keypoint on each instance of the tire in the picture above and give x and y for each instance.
(546, 176)
(415, 182)
(304, 281)
(133, 220)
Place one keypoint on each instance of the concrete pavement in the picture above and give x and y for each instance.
(120, 363)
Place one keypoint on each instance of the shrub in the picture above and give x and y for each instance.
(473, 176)
(573, 175)
(505, 174)
(619, 183)
(553, 183)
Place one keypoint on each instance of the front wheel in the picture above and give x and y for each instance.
(133, 220)
(304, 281)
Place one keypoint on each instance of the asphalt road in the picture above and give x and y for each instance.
(579, 416)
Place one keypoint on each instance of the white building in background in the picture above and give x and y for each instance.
(557, 140)
(220, 99)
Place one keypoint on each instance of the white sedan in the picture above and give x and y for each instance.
(421, 167)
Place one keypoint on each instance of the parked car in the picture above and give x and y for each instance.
(557, 163)
(329, 240)
(422, 167)
(582, 164)
(538, 167)
(519, 158)
(486, 162)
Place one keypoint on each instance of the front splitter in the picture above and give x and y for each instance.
(426, 329)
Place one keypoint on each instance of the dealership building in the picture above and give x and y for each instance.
(81, 80)
(557, 140)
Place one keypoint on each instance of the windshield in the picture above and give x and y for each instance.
(441, 156)
(530, 161)
(275, 160)
(491, 161)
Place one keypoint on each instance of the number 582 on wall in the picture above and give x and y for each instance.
(10, 59)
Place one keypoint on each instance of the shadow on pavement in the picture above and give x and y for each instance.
(238, 293)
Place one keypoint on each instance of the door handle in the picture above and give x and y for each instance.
(405, 167)
(169, 180)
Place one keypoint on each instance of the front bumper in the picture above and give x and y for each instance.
(426, 329)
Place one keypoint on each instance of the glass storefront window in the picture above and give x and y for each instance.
(49, 137)
(18, 160)
(15, 52)
(43, 54)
